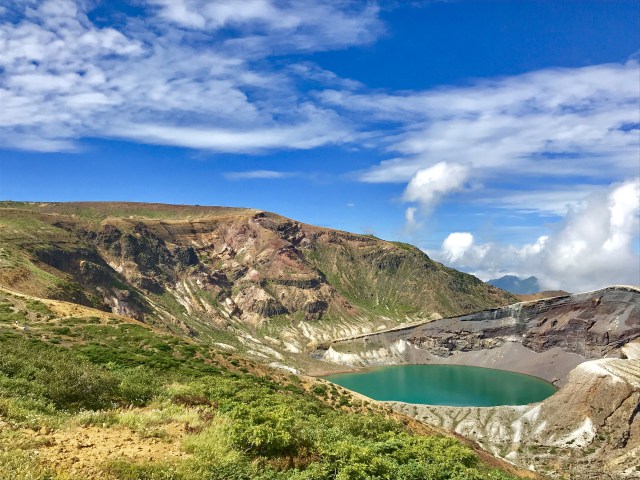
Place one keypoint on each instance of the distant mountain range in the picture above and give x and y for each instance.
(513, 284)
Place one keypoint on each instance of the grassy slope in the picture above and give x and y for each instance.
(99, 396)
(397, 279)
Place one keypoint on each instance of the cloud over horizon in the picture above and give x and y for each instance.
(594, 246)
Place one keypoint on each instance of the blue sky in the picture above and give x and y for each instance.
(501, 137)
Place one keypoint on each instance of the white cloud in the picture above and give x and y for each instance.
(410, 218)
(268, 25)
(594, 246)
(430, 184)
(173, 79)
(304, 135)
(551, 124)
(523, 140)
(541, 199)
(456, 245)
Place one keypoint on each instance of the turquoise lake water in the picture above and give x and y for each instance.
(453, 385)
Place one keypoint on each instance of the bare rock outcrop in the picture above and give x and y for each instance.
(179, 264)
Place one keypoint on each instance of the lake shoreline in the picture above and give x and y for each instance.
(445, 385)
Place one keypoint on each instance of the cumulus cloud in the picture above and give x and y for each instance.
(173, 78)
(430, 184)
(456, 245)
(594, 246)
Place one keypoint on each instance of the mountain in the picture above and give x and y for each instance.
(228, 275)
(179, 337)
(513, 284)
(169, 342)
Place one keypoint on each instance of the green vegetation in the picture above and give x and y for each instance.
(259, 424)
(9, 315)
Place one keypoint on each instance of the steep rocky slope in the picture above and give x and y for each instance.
(205, 270)
(586, 343)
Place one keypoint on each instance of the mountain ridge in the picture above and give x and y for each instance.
(249, 287)
(517, 285)
(201, 270)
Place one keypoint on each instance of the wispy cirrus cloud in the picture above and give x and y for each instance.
(559, 124)
(295, 25)
(554, 122)
(553, 143)
(260, 175)
(540, 199)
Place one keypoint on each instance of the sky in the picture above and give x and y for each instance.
(500, 137)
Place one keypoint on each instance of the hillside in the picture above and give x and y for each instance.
(180, 335)
(86, 395)
(226, 275)
(542, 295)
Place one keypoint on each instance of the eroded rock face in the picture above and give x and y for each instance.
(256, 300)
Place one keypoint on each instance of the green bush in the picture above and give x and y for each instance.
(32, 369)
(320, 390)
(138, 385)
(268, 431)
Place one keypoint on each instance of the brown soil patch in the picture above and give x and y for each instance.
(85, 452)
